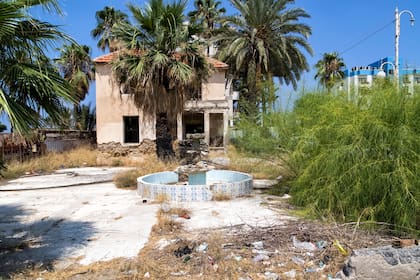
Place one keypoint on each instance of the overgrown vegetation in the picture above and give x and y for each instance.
(356, 160)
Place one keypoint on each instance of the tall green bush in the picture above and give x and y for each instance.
(359, 159)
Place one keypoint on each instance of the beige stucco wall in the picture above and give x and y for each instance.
(111, 106)
(214, 87)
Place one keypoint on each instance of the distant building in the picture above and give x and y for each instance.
(363, 76)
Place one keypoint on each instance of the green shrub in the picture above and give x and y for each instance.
(359, 159)
(352, 159)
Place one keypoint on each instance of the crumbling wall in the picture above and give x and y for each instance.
(113, 151)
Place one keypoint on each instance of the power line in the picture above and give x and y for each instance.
(366, 38)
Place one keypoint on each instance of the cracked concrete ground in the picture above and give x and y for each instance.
(42, 221)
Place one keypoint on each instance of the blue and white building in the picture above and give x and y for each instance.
(363, 76)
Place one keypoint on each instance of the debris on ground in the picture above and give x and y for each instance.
(296, 249)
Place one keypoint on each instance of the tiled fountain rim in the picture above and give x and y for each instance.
(223, 182)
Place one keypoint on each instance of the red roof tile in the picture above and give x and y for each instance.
(107, 58)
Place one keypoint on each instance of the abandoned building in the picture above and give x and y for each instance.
(208, 115)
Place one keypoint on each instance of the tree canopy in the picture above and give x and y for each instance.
(330, 70)
(30, 84)
(266, 38)
(160, 61)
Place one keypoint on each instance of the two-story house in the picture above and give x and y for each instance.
(209, 112)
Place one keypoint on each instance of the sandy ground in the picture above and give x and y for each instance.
(94, 222)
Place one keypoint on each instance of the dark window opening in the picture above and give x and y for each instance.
(216, 130)
(193, 123)
(131, 129)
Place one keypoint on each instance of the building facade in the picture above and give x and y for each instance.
(363, 76)
(209, 113)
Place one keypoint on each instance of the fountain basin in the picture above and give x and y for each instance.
(201, 186)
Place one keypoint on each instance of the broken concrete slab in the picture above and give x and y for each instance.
(385, 263)
(264, 184)
(64, 178)
(80, 224)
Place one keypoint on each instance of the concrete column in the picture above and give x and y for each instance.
(225, 128)
(207, 127)
(179, 128)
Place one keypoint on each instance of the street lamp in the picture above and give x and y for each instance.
(397, 37)
(381, 73)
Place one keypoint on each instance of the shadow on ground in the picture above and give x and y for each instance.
(37, 243)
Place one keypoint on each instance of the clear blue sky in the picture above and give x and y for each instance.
(337, 25)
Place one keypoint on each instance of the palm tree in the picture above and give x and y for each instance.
(30, 85)
(76, 67)
(206, 13)
(106, 19)
(330, 70)
(85, 116)
(159, 62)
(265, 40)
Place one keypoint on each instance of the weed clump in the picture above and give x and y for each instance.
(127, 179)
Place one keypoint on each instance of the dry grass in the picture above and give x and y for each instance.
(259, 168)
(220, 196)
(80, 157)
(150, 164)
(168, 221)
(127, 179)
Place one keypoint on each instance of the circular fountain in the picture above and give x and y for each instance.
(201, 185)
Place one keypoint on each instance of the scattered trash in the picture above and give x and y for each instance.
(322, 244)
(405, 243)
(147, 275)
(286, 196)
(298, 261)
(180, 273)
(260, 258)
(327, 259)
(271, 276)
(144, 200)
(290, 274)
(165, 207)
(185, 216)
(211, 260)
(321, 265)
(259, 245)
(340, 248)
(238, 258)
(266, 263)
(227, 245)
(307, 246)
(332, 278)
(310, 270)
(182, 251)
(347, 270)
(202, 247)
(186, 259)
(161, 244)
